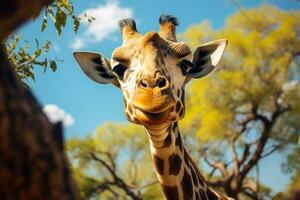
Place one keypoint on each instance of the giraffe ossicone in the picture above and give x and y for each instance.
(151, 71)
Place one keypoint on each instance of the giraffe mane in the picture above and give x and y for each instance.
(196, 168)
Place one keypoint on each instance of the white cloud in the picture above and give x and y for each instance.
(78, 43)
(56, 114)
(56, 47)
(105, 23)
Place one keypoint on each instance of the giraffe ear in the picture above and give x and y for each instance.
(96, 67)
(206, 57)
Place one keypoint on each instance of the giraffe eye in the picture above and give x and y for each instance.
(119, 70)
(185, 66)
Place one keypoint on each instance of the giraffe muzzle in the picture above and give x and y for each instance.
(152, 118)
(153, 106)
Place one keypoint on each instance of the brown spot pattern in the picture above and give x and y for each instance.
(171, 193)
(181, 113)
(174, 126)
(159, 164)
(197, 196)
(186, 159)
(187, 186)
(168, 140)
(127, 115)
(174, 164)
(172, 109)
(211, 195)
(195, 181)
(178, 93)
(202, 194)
(178, 106)
(130, 109)
(201, 181)
(178, 142)
(182, 97)
(125, 103)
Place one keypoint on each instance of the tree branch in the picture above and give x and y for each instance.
(237, 161)
(275, 148)
(148, 184)
(251, 195)
(102, 186)
(218, 165)
(261, 142)
(117, 180)
(248, 184)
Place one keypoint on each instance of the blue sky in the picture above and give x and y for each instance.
(91, 104)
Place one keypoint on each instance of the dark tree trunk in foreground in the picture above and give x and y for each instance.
(32, 163)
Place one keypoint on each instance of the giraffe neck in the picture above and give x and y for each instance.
(177, 173)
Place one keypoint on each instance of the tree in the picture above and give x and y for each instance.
(32, 163)
(112, 163)
(245, 112)
(24, 62)
(249, 109)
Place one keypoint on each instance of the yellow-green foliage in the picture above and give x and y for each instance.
(259, 64)
(259, 61)
(128, 146)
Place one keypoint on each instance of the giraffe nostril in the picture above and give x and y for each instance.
(161, 82)
(144, 84)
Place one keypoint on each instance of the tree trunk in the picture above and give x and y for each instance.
(32, 163)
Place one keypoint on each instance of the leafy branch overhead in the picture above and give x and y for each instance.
(59, 11)
(24, 62)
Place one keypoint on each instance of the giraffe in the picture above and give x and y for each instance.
(151, 70)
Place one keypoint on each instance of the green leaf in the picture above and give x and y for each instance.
(58, 29)
(44, 24)
(47, 46)
(61, 17)
(37, 43)
(66, 4)
(36, 54)
(76, 25)
(53, 65)
(60, 22)
(31, 75)
(51, 14)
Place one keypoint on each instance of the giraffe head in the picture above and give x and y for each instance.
(151, 70)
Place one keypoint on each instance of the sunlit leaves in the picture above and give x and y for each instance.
(44, 24)
(122, 146)
(60, 21)
(76, 24)
(59, 11)
(24, 61)
(258, 74)
(256, 65)
(53, 65)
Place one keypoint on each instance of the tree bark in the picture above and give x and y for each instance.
(13, 13)
(32, 163)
